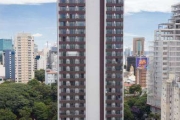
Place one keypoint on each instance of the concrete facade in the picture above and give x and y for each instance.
(51, 77)
(9, 64)
(170, 99)
(24, 57)
(165, 58)
(138, 46)
(90, 59)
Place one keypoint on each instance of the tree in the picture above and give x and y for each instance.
(40, 75)
(127, 112)
(40, 111)
(34, 100)
(6, 114)
(131, 102)
(25, 113)
(34, 83)
(135, 89)
(153, 116)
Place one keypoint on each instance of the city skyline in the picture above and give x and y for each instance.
(36, 14)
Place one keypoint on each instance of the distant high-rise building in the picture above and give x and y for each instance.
(5, 44)
(127, 53)
(138, 46)
(90, 57)
(35, 55)
(24, 57)
(52, 58)
(165, 58)
(131, 60)
(9, 64)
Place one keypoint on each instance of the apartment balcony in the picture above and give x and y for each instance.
(114, 115)
(72, 65)
(64, 86)
(71, 93)
(64, 115)
(72, 108)
(114, 108)
(72, 1)
(114, 101)
(72, 79)
(71, 101)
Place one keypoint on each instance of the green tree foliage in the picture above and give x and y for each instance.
(34, 83)
(40, 75)
(34, 100)
(40, 111)
(6, 114)
(135, 89)
(140, 107)
(152, 116)
(127, 112)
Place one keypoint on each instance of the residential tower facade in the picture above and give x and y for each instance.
(90, 50)
(165, 59)
(24, 57)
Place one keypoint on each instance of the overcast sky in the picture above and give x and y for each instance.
(39, 18)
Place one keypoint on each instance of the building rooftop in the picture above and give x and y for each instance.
(51, 71)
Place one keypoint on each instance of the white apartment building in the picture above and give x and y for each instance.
(43, 57)
(170, 99)
(2, 73)
(165, 58)
(24, 57)
(50, 77)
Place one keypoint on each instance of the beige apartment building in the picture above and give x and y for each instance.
(170, 98)
(24, 57)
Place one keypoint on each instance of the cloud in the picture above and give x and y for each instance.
(135, 6)
(37, 35)
(26, 1)
(130, 35)
(131, 6)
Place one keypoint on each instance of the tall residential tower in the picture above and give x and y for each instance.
(90, 50)
(165, 59)
(24, 57)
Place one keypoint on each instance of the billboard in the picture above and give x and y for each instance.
(141, 62)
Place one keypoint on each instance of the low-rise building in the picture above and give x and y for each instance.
(2, 73)
(50, 77)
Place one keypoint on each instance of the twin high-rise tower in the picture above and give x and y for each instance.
(90, 47)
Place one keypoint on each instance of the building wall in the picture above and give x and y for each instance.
(9, 63)
(138, 46)
(24, 57)
(50, 77)
(52, 59)
(165, 58)
(2, 69)
(41, 62)
(90, 56)
(131, 60)
(141, 77)
(5, 44)
(170, 99)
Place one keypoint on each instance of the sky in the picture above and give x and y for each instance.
(39, 18)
